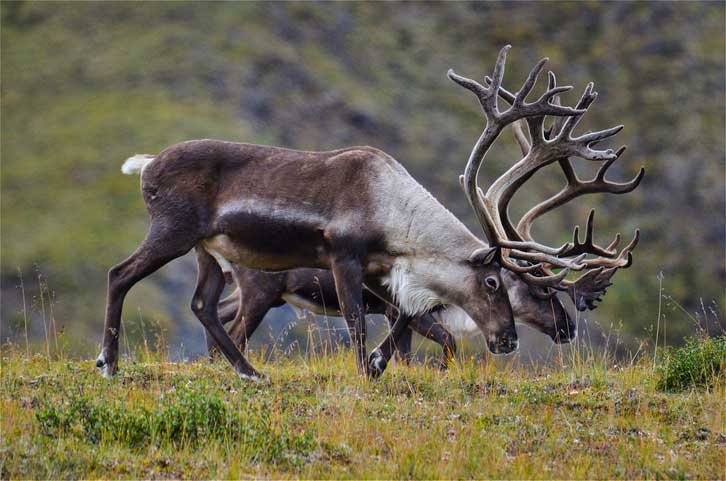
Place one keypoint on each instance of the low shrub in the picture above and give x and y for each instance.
(186, 417)
(697, 364)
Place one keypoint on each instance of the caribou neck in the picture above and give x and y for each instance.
(430, 231)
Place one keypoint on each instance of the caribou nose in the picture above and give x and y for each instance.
(505, 344)
(511, 344)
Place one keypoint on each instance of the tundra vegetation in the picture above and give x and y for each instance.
(587, 417)
(84, 85)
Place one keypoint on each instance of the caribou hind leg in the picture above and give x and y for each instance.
(249, 311)
(253, 309)
(227, 311)
(161, 246)
(210, 284)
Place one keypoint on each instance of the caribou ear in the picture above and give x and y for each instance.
(483, 256)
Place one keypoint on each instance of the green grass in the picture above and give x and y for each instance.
(315, 418)
(698, 363)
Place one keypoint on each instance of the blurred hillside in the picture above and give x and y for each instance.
(85, 85)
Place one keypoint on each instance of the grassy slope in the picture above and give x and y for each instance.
(316, 418)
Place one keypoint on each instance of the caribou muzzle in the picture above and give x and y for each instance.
(504, 344)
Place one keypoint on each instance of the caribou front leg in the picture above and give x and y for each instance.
(348, 276)
(378, 360)
(403, 343)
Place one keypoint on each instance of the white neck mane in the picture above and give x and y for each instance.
(409, 293)
(457, 322)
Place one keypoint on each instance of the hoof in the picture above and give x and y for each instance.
(253, 377)
(376, 364)
(108, 369)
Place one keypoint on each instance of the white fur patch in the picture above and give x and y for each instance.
(136, 164)
(457, 321)
(410, 295)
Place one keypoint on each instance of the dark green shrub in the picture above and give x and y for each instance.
(697, 364)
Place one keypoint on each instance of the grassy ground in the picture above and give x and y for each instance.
(315, 418)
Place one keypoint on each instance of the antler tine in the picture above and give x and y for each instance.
(529, 83)
(575, 188)
(622, 261)
(556, 126)
(553, 281)
(498, 74)
(469, 84)
(614, 244)
(575, 264)
(618, 187)
(589, 246)
(518, 268)
(487, 95)
(568, 125)
(521, 137)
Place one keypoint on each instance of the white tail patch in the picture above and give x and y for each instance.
(136, 164)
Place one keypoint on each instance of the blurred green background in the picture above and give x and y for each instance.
(86, 85)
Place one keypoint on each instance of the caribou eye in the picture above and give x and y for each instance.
(492, 283)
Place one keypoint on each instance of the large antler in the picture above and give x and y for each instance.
(591, 286)
(546, 146)
(485, 206)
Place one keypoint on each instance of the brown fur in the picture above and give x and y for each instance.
(275, 209)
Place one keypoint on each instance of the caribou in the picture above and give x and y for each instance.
(357, 212)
